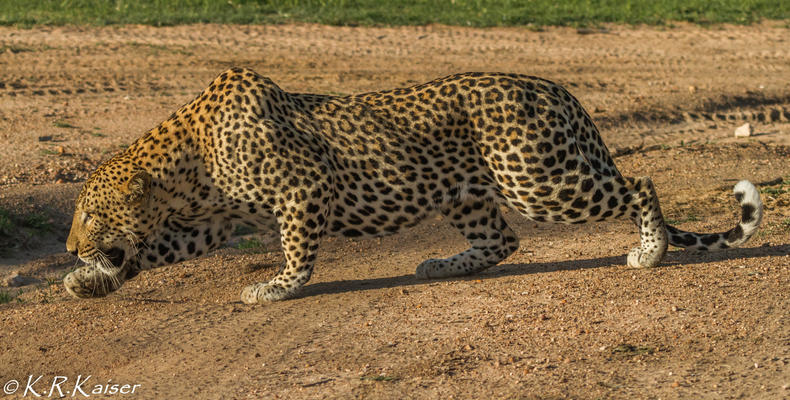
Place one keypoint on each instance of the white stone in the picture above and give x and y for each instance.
(744, 130)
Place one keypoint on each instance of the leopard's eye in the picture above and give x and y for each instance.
(87, 217)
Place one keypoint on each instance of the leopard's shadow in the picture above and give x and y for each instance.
(673, 258)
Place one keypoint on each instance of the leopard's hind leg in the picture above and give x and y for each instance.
(492, 240)
(599, 198)
(646, 214)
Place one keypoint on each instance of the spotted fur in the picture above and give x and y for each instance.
(366, 165)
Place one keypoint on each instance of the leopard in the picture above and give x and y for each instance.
(467, 146)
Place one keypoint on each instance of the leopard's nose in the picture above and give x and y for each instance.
(73, 252)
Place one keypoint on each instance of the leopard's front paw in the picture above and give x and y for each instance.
(86, 282)
(264, 292)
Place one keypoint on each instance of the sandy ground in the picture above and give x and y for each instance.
(561, 318)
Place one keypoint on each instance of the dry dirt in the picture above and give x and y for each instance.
(561, 318)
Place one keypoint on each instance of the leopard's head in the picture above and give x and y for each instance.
(114, 212)
(127, 221)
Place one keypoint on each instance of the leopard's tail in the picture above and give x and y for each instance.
(751, 215)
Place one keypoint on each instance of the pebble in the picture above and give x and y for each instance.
(744, 130)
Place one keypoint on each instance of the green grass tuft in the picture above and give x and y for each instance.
(243, 229)
(781, 186)
(379, 378)
(691, 217)
(6, 224)
(63, 124)
(17, 229)
(250, 244)
(5, 297)
(394, 12)
(14, 49)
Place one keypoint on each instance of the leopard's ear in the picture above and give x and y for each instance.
(137, 188)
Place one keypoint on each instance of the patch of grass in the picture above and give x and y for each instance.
(777, 187)
(39, 222)
(63, 124)
(394, 12)
(14, 49)
(774, 228)
(688, 218)
(250, 244)
(242, 229)
(17, 229)
(379, 378)
(6, 225)
(49, 295)
(49, 152)
(6, 297)
(774, 191)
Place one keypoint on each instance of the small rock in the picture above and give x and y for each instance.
(17, 280)
(45, 138)
(692, 89)
(744, 130)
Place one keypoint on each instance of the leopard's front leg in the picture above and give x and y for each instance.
(301, 228)
(89, 281)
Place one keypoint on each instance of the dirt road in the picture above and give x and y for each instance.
(561, 318)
